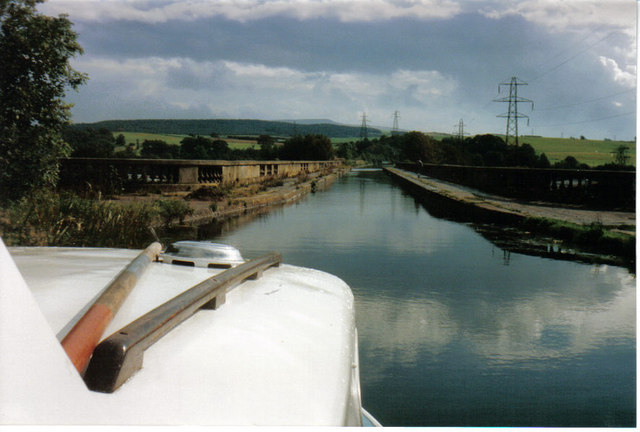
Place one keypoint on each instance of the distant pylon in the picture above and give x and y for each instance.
(395, 129)
(512, 115)
(363, 129)
(460, 134)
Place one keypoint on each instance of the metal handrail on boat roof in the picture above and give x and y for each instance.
(116, 358)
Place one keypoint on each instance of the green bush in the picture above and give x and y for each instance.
(169, 210)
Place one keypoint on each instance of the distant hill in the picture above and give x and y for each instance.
(231, 127)
(311, 121)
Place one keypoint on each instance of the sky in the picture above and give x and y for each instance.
(434, 62)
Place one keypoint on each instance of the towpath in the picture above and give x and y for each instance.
(615, 220)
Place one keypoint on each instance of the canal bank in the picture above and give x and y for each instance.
(248, 199)
(610, 232)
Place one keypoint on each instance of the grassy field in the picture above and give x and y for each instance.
(140, 137)
(591, 152)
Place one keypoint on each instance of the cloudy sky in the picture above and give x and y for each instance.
(434, 61)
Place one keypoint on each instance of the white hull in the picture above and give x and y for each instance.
(282, 350)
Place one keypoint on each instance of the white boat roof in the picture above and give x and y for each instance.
(282, 350)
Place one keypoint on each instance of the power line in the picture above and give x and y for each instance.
(590, 121)
(587, 101)
(573, 56)
(541, 65)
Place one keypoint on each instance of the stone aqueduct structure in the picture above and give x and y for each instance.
(605, 189)
(108, 174)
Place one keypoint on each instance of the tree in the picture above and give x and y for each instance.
(523, 156)
(309, 147)
(267, 147)
(219, 149)
(347, 150)
(569, 162)
(121, 141)
(34, 75)
(89, 142)
(417, 146)
(543, 162)
(195, 147)
(203, 148)
(158, 149)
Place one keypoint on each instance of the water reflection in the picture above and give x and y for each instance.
(531, 324)
(449, 334)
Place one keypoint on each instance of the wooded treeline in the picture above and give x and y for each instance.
(479, 150)
(207, 127)
(102, 143)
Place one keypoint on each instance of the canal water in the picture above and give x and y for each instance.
(453, 330)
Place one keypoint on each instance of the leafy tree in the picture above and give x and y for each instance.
(219, 149)
(34, 75)
(346, 150)
(203, 148)
(569, 162)
(363, 145)
(543, 161)
(448, 152)
(158, 149)
(523, 156)
(89, 142)
(195, 147)
(309, 147)
(267, 147)
(490, 148)
(417, 146)
(121, 141)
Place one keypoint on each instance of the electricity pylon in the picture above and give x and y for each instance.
(512, 115)
(460, 126)
(363, 128)
(395, 128)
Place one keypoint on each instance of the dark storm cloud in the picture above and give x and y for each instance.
(452, 46)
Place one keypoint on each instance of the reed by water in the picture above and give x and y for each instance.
(66, 219)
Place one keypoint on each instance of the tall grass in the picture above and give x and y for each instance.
(51, 219)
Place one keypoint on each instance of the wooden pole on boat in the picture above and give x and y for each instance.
(81, 340)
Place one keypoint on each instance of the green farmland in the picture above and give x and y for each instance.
(140, 137)
(590, 152)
